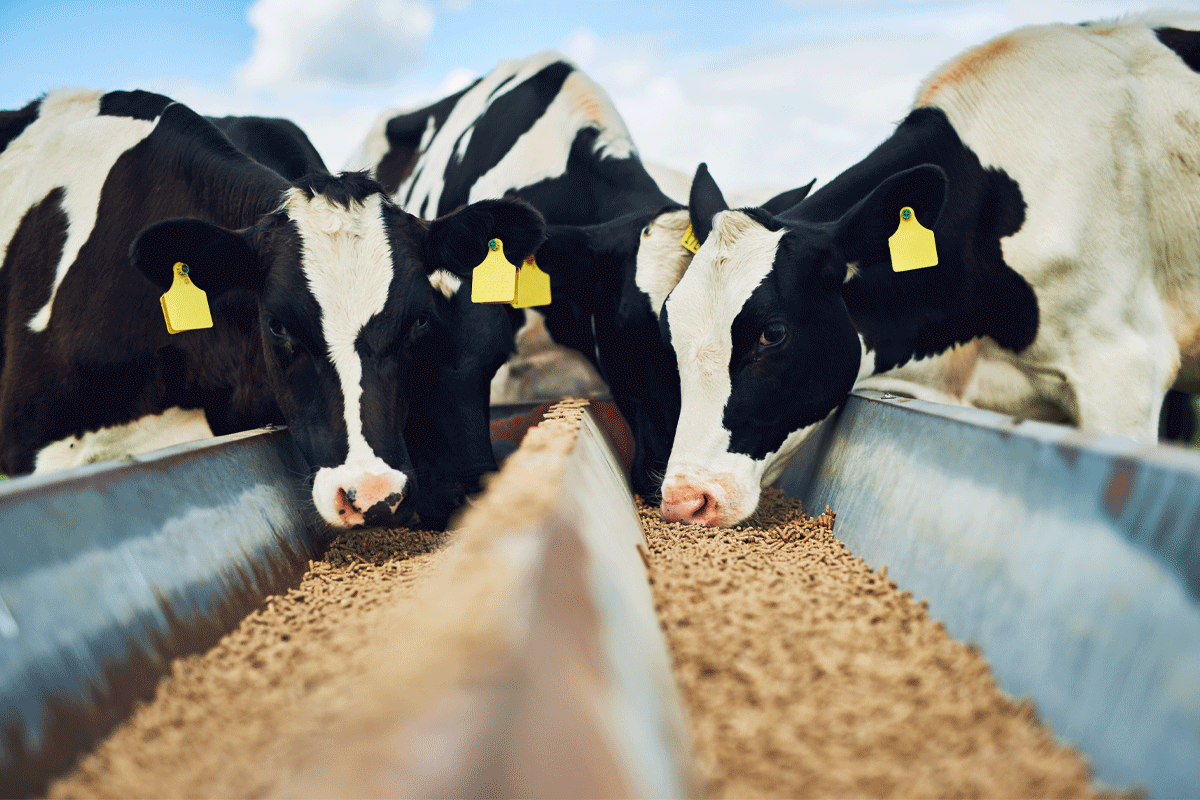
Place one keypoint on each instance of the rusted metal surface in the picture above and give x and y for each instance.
(1073, 561)
(111, 570)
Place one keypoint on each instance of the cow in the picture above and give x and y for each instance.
(276, 143)
(325, 308)
(1058, 168)
(541, 130)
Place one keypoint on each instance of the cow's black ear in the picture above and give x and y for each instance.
(786, 201)
(568, 255)
(864, 230)
(458, 242)
(704, 202)
(218, 259)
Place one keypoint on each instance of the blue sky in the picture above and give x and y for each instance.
(770, 93)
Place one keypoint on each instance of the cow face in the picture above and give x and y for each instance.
(350, 325)
(448, 431)
(765, 346)
(609, 280)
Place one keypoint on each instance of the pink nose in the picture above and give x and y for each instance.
(690, 505)
(352, 504)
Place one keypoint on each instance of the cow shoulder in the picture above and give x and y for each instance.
(407, 135)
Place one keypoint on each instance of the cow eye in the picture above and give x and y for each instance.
(772, 335)
(418, 325)
(277, 329)
(646, 231)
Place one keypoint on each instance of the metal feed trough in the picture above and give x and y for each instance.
(1072, 561)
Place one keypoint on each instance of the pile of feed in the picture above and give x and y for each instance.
(807, 674)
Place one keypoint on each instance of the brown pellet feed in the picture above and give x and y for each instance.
(807, 674)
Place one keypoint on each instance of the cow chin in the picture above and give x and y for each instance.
(361, 493)
(718, 500)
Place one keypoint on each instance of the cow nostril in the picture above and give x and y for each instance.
(344, 502)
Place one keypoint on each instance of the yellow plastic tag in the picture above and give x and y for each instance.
(495, 279)
(912, 245)
(689, 240)
(533, 286)
(185, 305)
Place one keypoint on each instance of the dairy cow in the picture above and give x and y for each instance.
(1057, 168)
(325, 316)
(541, 130)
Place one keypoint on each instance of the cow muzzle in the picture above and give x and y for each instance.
(716, 501)
(349, 496)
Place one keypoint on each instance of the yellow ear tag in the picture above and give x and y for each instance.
(689, 240)
(912, 245)
(533, 286)
(185, 305)
(495, 279)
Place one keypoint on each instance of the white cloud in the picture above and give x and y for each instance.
(330, 42)
(778, 116)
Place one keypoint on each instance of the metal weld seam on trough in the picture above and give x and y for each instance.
(112, 570)
(585, 703)
(1071, 560)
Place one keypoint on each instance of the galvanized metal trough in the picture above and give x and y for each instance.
(110, 571)
(1072, 561)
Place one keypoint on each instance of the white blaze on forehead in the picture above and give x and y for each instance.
(445, 282)
(733, 261)
(539, 153)
(347, 259)
(736, 257)
(661, 257)
(70, 145)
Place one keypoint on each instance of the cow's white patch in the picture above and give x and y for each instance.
(173, 426)
(540, 153)
(445, 282)
(661, 258)
(347, 261)
(74, 147)
(1110, 241)
(735, 258)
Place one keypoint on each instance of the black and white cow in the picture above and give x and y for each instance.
(321, 292)
(1059, 167)
(273, 142)
(541, 130)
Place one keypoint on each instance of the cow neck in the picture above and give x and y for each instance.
(231, 189)
(971, 292)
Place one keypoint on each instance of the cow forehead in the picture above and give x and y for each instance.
(661, 257)
(734, 260)
(346, 257)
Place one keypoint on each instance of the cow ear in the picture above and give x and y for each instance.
(704, 202)
(784, 201)
(863, 231)
(567, 255)
(218, 259)
(458, 242)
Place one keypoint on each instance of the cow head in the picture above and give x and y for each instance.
(352, 330)
(608, 282)
(448, 431)
(765, 346)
